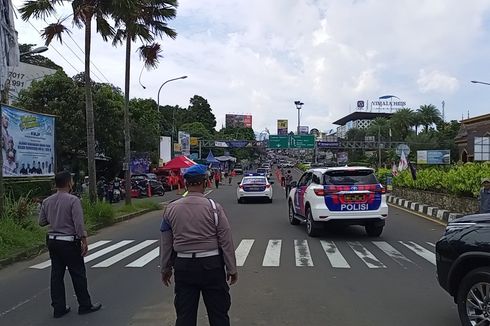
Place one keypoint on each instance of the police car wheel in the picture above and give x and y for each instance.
(312, 227)
(374, 230)
(292, 219)
(240, 200)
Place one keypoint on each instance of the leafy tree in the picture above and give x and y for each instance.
(36, 59)
(200, 110)
(84, 11)
(379, 125)
(235, 134)
(402, 122)
(145, 20)
(196, 129)
(144, 125)
(429, 115)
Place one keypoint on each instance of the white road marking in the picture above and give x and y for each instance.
(302, 252)
(421, 251)
(367, 257)
(334, 256)
(208, 192)
(431, 244)
(104, 251)
(91, 246)
(273, 253)
(243, 250)
(142, 261)
(392, 252)
(126, 253)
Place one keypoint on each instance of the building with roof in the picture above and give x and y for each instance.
(358, 119)
(473, 139)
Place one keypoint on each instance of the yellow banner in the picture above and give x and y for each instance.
(177, 147)
(282, 124)
(194, 141)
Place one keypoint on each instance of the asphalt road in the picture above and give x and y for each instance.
(286, 278)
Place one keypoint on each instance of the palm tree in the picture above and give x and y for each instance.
(145, 20)
(381, 126)
(84, 11)
(429, 115)
(417, 121)
(402, 121)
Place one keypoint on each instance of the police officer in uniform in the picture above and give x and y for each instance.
(67, 245)
(197, 244)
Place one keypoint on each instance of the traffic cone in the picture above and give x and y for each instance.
(149, 189)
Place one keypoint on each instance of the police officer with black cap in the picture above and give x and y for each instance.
(197, 244)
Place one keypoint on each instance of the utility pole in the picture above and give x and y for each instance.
(379, 146)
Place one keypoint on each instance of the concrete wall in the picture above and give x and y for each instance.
(451, 203)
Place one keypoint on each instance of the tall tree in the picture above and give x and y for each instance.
(196, 129)
(402, 122)
(84, 11)
(145, 20)
(200, 110)
(429, 115)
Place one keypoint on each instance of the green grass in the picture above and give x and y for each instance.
(138, 206)
(15, 239)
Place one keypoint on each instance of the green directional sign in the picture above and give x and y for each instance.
(302, 141)
(278, 141)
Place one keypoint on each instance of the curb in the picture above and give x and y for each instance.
(435, 213)
(36, 251)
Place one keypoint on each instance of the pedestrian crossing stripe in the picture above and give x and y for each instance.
(375, 258)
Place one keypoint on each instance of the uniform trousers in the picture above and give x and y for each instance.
(67, 254)
(194, 276)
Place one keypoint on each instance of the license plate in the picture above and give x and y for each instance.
(253, 189)
(351, 198)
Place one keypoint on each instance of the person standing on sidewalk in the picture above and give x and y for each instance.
(196, 243)
(67, 245)
(217, 178)
(485, 196)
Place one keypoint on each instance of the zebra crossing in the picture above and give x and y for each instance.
(339, 254)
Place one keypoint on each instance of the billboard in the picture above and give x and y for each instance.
(140, 163)
(185, 143)
(238, 121)
(282, 127)
(442, 156)
(27, 143)
(165, 150)
(304, 130)
(21, 77)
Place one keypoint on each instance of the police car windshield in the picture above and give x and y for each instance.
(255, 181)
(349, 177)
(261, 170)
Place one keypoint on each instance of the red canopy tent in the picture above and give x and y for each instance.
(180, 162)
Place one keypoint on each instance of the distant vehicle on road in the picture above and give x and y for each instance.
(345, 196)
(254, 186)
(238, 171)
(463, 267)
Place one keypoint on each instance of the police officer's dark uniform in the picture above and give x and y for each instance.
(196, 242)
(67, 244)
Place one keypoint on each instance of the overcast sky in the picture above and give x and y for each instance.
(257, 57)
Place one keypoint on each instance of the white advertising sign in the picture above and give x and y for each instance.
(21, 77)
(165, 150)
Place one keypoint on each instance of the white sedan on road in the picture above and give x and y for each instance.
(254, 186)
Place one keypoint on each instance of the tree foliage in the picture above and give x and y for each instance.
(36, 59)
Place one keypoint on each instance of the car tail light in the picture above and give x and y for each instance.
(319, 192)
(381, 190)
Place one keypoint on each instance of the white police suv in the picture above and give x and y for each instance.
(254, 186)
(341, 195)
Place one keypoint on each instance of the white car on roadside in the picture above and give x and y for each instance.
(254, 186)
(340, 195)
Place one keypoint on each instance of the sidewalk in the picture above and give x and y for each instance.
(435, 213)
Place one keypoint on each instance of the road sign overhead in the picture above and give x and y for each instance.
(278, 141)
(302, 141)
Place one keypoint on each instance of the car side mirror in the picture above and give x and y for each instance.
(271, 182)
(294, 184)
(238, 182)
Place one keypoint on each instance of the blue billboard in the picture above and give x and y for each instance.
(442, 156)
(27, 143)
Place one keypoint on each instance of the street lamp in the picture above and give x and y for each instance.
(479, 82)
(298, 104)
(173, 110)
(37, 50)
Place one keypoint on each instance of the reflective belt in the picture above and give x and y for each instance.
(70, 238)
(202, 254)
